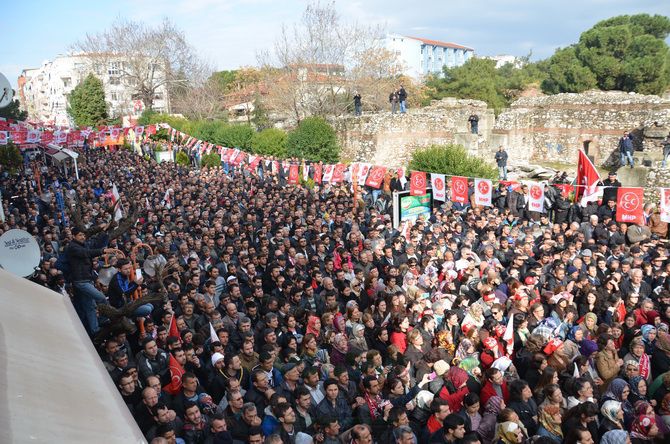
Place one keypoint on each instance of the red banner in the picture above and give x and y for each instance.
(338, 173)
(417, 183)
(629, 205)
(47, 137)
(293, 173)
(459, 189)
(318, 173)
(376, 177)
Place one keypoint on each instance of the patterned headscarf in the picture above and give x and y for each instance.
(610, 409)
(646, 329)
(494, 405)
(548, 420)
(616, 389)
(614, 437)
(641, 427)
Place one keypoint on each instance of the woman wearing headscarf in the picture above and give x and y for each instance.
(615, 437)
(589, 325)
(510, 433)
(455, 388)
(636, 353)
(339, 350)
(465, 350)
(550, 423)
(619, 391)
(314, 326)
(638, 390)
(487, 426)
(644, 430)
(445, 345)
(649, 338)
(612, 415)
(474, 316)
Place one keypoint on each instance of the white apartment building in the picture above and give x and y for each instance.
(43, 91)
(422, 57)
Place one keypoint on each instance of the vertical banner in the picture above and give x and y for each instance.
(305, 171)
(293, 174)
(664, 207)
(401, 177)
(328, 173)
(439, 188)
(417, 183)
(338, 173)
(376, 177)
(3, 137)
(363, 173)
(484, 192)
(459, 189)
(536, 196)
(629, 206)
(318, 173)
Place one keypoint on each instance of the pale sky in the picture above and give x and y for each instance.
(229, 33)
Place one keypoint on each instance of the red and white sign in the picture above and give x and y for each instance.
(587, 180)
(439, 187)
(417, 183)
(338, 173)
(665, 204)
(318, 173)
(483, 192)
(363, 171)
(376, 177)
(293, 175)
(3, 137)
(536, 196)
(33, 136)
(629, 205)
(60, 137)
(114, 133)
(459, 189)
(328, 173)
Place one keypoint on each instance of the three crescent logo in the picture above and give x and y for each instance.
(483, 187)
(536, 192)
(630, 202)
(459, 187)
(439, 183)
(419, 181)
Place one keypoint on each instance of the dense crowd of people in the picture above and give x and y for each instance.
(301, 316)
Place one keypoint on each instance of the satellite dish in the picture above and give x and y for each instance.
(6, 91)
(19, 252)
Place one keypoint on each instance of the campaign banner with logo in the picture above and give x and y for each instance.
(629, 205)
(33, 136)
(484, 192)
(439, 188)
(293, 175)
(363, 171)
(338, 173)
(459, 189)
(417, 183)
(318, 172)
(3, 137)
(665, 203)
(328, 173)
(376, 177)
(536, 196)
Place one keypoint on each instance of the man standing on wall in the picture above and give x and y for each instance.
(474, 123)
(393, 100)
(402, 98)
(626, 149)
(357, 103)
(501, 160)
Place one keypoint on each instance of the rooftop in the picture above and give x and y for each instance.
(440, 43)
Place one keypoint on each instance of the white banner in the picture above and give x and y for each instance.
(363, 171)
(33, 136)
(439, 189)
(328, 173)
(536, 196)
(484, 192)
(665, 204)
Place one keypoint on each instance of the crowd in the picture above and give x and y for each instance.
(303, 317)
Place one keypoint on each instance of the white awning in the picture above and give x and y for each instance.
(53, 385)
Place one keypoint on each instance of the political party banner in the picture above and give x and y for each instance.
(484, 192)
(439, 188)
(318, 173)
(33, 136)
(536, 196)
(328, 173)
(4, 137)
(376, 177)
(338, 173)
(665, 203)
(294, 175)
(459, 189)
(363, 171)
(629, 205)
(417, 183)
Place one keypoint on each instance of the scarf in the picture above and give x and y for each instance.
(634, 383)
(311, 326)
(615, 437)
(548, 420)
(641, 427)
(373, 404)
(645, 366)
(610, 409)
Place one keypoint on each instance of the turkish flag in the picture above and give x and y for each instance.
(318, 173)
(18, 137)
(417, 183)
(629, 205)
(459, 189)
(176, 373)
(376, 177)
(293, 173)
(338, 173)
(587, 178)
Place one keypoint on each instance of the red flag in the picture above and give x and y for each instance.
(293, 173)
(172, 331)
(176, 373)
(318, 173)
(417, 183)
(459, 189)
(338, 173)
(587, 177)
(47, 137)
(376, 177)
(629, 205)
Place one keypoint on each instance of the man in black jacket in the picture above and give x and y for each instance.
(86, 296)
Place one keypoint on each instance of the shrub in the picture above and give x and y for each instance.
(238, 136)
(270, 142)
(10, 157)
(453, 160)
(211, 160)
(314, 139)
(182, 159)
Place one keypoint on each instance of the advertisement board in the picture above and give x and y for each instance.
(406, 207)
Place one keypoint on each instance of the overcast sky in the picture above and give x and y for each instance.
(229, 33)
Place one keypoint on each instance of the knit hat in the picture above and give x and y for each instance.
(216, 357)
(440, 367)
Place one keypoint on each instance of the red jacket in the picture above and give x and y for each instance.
(488, 392)
(433, 425)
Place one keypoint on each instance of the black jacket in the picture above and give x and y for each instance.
(79, 258)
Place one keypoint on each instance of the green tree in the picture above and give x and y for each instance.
(87, 104)
(235, 135)
(270, 142)
(211, 160)
(10, 157)
(225, 80)
(182, 159)
(13, 111)
(259, 116)
(314, 139)
(566, 74)
(453, 160)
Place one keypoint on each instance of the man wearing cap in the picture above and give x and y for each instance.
(611, 184)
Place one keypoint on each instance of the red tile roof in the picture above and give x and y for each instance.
(439, 43)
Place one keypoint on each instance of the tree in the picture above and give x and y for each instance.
(182, 159)
(13, 111)
(211, 160)
(270, 142)
(259, 115)
(145, 59)
(313, 139)
(453, 160)
(86, 102)
(236, 135)
(565, 73)
(10, 157)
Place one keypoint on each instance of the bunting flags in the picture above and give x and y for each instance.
(483, 192)
(439, 188)
(629, 207)
(459, 189)
(417, 183)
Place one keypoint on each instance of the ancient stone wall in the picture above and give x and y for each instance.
(389, 139)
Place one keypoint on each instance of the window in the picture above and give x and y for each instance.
(67, 82)
(114, 68)
(114, 81)
(114, 96)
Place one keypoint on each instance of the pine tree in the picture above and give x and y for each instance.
(87, 104)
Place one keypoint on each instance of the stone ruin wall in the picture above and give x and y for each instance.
(533, 129)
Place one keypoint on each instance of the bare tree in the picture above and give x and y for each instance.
(322, 59)
(145, 59)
